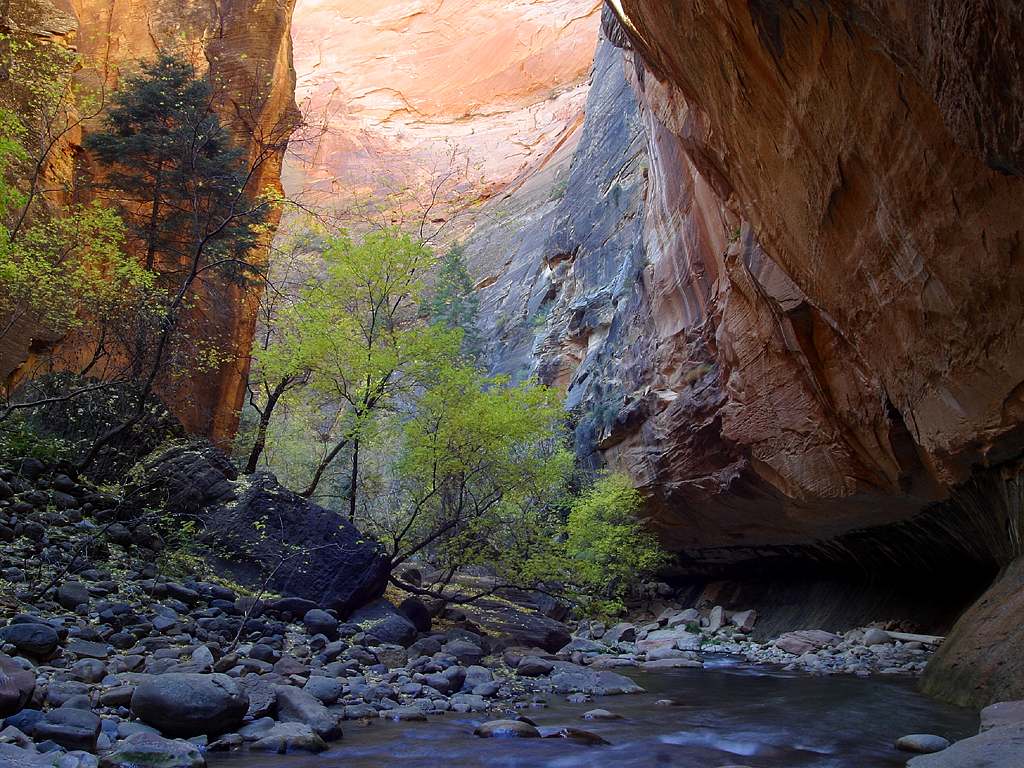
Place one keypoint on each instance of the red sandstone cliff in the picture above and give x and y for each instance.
(794, 315)
(247, 49)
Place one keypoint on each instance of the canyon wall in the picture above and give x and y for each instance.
(402, 97)
(246, 48)
(793, 313)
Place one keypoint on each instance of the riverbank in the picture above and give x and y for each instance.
(108, 660)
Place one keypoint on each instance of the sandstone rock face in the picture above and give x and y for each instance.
(247, 48)
(982, 658)
(391, 88)
(807, 321)
(780, 288)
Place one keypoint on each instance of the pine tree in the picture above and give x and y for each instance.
(175, 172)
(453, 302)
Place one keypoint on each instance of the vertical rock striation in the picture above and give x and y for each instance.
(246, 47)
(803, 340)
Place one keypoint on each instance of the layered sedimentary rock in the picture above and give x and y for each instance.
(246, 47)
(402, 94)
(826, 330)
(804, 339)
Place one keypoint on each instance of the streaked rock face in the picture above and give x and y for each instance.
(392, 88)
(815, 326)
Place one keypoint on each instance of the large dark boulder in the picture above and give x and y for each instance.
(72, 728)
(381, 620)
(254, 530)
(188, 704)
(516, 626)
(39, 641)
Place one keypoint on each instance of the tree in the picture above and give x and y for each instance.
(62, 275)
(453, 302)
(175, 171)
(479, 477)
(355, 332)
(278, 369)
(607, 543)
(182, 184)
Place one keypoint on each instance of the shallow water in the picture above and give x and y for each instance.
(734, 714)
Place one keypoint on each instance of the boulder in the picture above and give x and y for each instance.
(518, 627)
(152, 751)
(577, 735)
(922, 743)
(716, 619)
(463, 650)
(289, 737)
(600, 714)
(382, 620)
(505, 729)
(994, 748)
(416, 611)
(12, 756)
(326, 690)
(72, 594)
(804, 640)
(677, 637)
(320, 622)
(873, 636)
(295, 705)
(1002, 713)
(582, 645)
(189, 704)
(36, 640)
(16, 686)
(534, 666)
(71, 728)
(339, 567)
(572, 678)
(620, 633)
(744, 620)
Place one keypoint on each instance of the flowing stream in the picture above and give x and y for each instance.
(729, 714)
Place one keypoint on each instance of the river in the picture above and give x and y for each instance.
(729, 714)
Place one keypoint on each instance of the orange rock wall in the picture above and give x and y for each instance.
(247, 48)
(400, 93)
(867, 316)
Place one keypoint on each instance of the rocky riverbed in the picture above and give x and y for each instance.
(108, 659)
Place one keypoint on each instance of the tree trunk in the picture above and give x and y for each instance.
(261, 432)
(353, 482)
(318, 475)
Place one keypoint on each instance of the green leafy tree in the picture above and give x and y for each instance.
(479, 477)
(608, 546)
(354, 334)
(63, 275)
(453, 302)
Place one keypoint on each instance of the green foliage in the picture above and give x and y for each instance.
(453, 302)
(19, 439)
(66, 271)
(480, 473)
(607, 544)
(354, 339)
